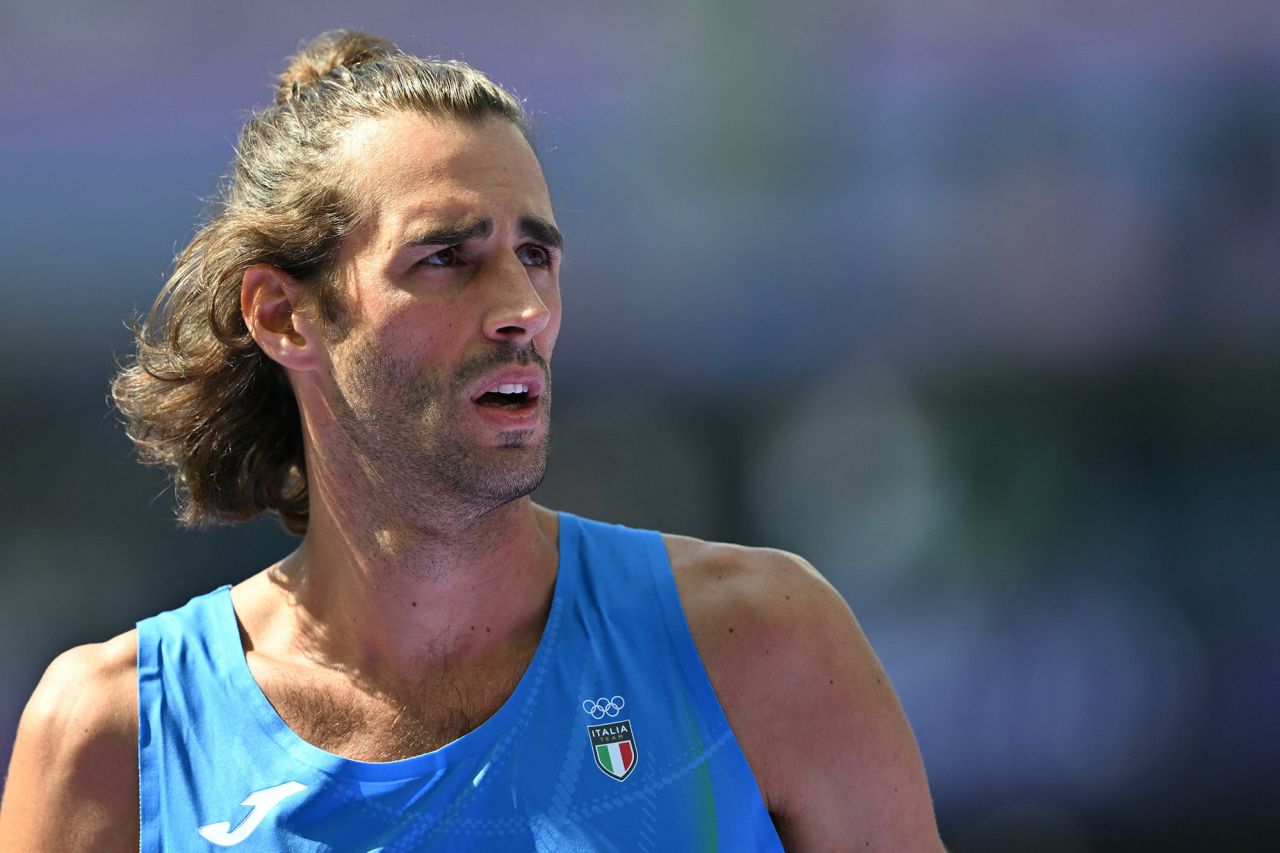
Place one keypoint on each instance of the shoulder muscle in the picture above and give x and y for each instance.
(807, 698)
(73, 777)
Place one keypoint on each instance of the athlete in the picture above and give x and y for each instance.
(359, 341)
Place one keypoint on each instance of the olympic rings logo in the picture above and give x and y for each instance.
(604, 707)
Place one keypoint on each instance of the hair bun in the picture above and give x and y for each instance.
(317, 58)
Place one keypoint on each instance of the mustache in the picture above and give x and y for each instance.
(503, 354)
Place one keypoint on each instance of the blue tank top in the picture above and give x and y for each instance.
(612, 740)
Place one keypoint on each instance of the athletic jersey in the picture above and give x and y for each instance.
(612, 739)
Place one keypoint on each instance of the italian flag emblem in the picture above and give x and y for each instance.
(614, 748)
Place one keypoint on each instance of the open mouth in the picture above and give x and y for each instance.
(512, 397)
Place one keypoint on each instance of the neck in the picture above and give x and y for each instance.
(403, 599)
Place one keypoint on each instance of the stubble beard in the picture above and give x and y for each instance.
(406, 430)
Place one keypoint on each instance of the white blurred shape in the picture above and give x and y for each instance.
(848, 476)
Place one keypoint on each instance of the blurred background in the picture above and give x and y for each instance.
(974, 305)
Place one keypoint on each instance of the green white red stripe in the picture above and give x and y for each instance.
(616, 758)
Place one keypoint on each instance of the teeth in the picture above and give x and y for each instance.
(512, 389)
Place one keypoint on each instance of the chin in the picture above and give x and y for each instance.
(510, 472)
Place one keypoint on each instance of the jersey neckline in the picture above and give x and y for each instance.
(483, 737)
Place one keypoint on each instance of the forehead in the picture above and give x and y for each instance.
(414, 169)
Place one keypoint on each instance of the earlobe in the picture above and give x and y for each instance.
(269, 302)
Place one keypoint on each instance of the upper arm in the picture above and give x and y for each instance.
(73, 778)
(809, 702)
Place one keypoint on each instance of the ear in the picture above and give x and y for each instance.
(270, 301)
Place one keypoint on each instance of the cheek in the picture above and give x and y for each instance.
(420, 333)
(374, 355)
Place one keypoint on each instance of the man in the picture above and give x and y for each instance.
(359, 341)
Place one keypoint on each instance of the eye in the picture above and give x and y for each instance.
(534, 256)
(446, 257)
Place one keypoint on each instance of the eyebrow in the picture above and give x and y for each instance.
(541, 230)
(453, 233)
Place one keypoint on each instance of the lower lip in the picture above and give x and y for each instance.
(511, 418)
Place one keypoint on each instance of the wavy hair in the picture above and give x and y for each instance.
(199, 396)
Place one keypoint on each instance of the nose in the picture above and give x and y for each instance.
(516, 312)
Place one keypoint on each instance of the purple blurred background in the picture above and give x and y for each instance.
(976, 307)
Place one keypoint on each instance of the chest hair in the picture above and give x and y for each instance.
(357, 721)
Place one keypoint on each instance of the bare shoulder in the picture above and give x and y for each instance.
(73, 777)
(808, 700)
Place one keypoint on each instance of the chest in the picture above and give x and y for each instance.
(352, 717)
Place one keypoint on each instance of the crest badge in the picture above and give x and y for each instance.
(613, 742)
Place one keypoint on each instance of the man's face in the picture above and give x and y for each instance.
(439, 379)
